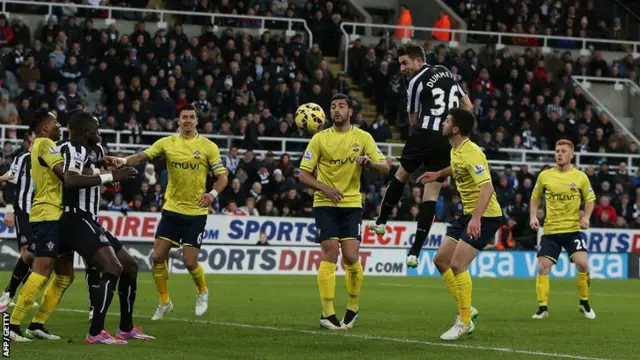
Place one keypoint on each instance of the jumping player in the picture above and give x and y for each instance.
(190, 157)
(564, 188)
(339, 153)
(431, 93)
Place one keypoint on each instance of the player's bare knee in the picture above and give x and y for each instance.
(159, 258)
(190, 262)
(431, 191)
(582, 266)
(544, 268)
(350, 258)
(458, 266)
(441, 262)
(43, 266)
(129, 264)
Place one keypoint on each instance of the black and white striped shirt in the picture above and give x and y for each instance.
(76, 158)
(21, 172)
(431, 93)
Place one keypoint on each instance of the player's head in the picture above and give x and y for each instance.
(45, 124)
(411, 57)
(459, 122)
(188, 118)
(84, 127)
(564, 152)
(341, 110)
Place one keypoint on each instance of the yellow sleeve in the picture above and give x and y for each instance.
(157, 149)
(478, 167)
(372, 150)
(538, 188)
(213, 156)
(587, 190)
(311, 155)
(49, 153)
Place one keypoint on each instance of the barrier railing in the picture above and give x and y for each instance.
(163, 13)
(535, 159)
(499, 38)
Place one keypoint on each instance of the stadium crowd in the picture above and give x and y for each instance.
(250, 87)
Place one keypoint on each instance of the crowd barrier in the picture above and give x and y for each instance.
(292, 250)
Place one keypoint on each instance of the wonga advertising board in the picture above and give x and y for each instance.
(524, 264)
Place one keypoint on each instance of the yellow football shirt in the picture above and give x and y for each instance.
(334, 153)
(470, 171)
(564, 191)
(47, 193)
(188, 164)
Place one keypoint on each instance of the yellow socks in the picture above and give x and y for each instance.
(463, 287)
(584, 285)
(327, 287)
(450, 283)
(542, 289)
(198, 278)
(353, 277)
(51, 297)
(161, 278)
(27, 296)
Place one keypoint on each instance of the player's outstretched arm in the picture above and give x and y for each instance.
(132, 160)
(8, 176)
(429, 176)
(308, 179)
(75, 179)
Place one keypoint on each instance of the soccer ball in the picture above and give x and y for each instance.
(310, 117)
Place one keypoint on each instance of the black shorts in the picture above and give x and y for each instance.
(181, 230)
(24, 234)
(47, 239)
(335, 223)
(488, 228)
(551, 245)
(426, 147)
(84, 235)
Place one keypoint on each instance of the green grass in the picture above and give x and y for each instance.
(276, 317)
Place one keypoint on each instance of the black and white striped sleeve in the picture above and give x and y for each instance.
(414, 92)
(461, 90)
(74, 157)
(16, 168)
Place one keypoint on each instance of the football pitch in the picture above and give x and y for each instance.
(277, 317)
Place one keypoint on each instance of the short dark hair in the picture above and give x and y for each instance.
(187, 107)
(344, 97)
(464, 120)
(40, 117)
(81, 120)
(413, 51)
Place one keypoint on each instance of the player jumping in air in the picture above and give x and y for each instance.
(564, 188)
(108, 262)
(482, 217)
(339, 153)
(51, 252)
(190, 157)
(432, 92)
